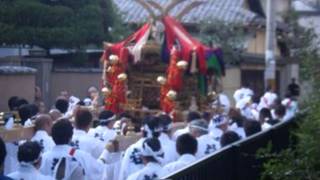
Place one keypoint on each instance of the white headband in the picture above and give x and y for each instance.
(198, 127)
(113, 118)
(149, 131)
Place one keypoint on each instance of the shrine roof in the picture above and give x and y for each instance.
(230, 11)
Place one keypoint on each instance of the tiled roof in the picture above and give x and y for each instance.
(17, 70)
(224, 10)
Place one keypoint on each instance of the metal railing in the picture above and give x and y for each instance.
(238, 161)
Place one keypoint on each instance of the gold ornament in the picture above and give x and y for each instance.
(105, 90)
(182, 64)
(113, 59)
(161, 80)
(122, 76)
(172, 95)
(212, 95)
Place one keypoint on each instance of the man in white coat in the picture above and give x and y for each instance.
(29, 157)
(246, 109)
(62, 133)
(104, 131)
(81, 139)
(152, 155)
(193, 115)
(43, 125)
(187, 148)
(291, 105)
(243, 92)
(268, 99)
(168, 145)
(206, 143)
(132, 161)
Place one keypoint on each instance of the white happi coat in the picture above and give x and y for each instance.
(81, 140)
(131, 161)
(112, 164)
(242, 93)
(267, 100)
(11, 161)
(206, 145)
(28, 172)
(180, 132)
(291, 108)
(214, 132)
(149, 172)
(183, 161)
(224, 102)
(265, 126)
(93, 169)
(103, 133)
(239, 130)
(169, 148)
(44, 140)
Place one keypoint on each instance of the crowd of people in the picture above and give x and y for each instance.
(66, 145)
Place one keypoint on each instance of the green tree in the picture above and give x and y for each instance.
(229, 36)
(301, 160)
(56, 23)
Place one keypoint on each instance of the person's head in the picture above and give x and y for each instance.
(151, 127)
(64, 94)
(34, 110)
(29, 152)
(275, 103)
(41, 106)
(293, 80)
(125, 117)
(251, 127)
(24, 113)
(198, 128)
(107, 118)
(3, 153)
(186, 144)
(229, 137)
(193, 116)
(62, 105)
(83, 119)
(93, 92)
(151, 151)
(206, 116)
(166, 123)
(269, 88)
(264, 115)
(55, 114)
(280, 111)
(13, 103)
(62, 132)
(236, 117)
(43, 122)
(37, 93)
(22, 101)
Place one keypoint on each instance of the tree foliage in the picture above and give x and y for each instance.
(301, 160)
(229, 36)
(56, 23)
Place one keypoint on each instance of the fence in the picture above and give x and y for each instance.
(238, 161)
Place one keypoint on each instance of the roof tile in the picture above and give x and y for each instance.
(224, 10)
